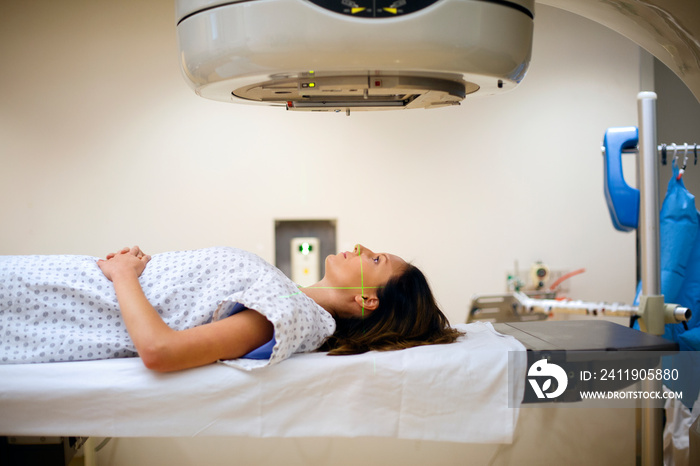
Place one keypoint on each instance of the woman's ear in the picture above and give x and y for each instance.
(369, 303)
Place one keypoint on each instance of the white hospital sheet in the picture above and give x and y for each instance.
(456, 393)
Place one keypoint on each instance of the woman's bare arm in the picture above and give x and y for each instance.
(164, 349)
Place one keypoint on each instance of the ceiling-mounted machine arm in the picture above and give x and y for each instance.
(668, 29)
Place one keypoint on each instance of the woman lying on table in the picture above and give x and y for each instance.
(185, 309)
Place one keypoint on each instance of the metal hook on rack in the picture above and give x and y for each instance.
(685, 162)
(695, 150)
(663, 154)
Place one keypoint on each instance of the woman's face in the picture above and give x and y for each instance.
(362, 269)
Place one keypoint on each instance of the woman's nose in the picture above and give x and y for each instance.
(360, 249)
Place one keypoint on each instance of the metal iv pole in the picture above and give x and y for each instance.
(653, 313)
(651, 301)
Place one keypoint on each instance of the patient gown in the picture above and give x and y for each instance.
(62, 308)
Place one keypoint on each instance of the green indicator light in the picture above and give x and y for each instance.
(305, 248)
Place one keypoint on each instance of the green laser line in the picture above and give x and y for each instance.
(362, 282)
(329, 288)
(339, 287)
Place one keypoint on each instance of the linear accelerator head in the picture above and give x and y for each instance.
(342, 55)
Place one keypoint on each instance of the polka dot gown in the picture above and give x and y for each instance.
(62, 308)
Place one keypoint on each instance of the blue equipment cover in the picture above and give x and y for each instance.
(680, 260)
(680, 247)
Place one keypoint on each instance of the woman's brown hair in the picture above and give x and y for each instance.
(407, 316)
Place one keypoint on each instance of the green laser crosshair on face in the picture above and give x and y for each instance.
(361, 287)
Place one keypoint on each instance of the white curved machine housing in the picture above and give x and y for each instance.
(338, 55)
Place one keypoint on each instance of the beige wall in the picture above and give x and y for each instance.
(102, 144)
